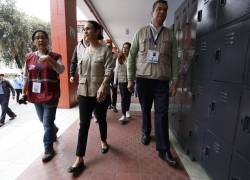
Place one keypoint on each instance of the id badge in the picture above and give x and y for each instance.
(36, 87)
(153, 56)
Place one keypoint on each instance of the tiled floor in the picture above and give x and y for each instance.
(21, 149)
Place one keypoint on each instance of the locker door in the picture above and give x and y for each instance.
(230, 10)
(202, 65)
(206, 16)
(196, 141)
(216, 157)
(230, 57)
(240, 168)
(242, 142)
(200, 102)
(192, 4)
(223, 110)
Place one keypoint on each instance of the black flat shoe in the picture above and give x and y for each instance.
(105, 150)
(168, 158)
(145, 139)
(76, 169)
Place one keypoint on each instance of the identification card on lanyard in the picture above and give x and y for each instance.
(153, 56)
(36, 87)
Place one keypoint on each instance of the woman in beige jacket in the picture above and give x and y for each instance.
(95, 66)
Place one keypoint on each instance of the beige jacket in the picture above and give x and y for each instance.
(92, 68)
(161, 70)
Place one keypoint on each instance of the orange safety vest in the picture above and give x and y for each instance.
(46, 75)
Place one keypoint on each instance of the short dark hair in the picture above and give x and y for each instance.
(1, 74)
(158, 2)
(42, 31)
(127, 43)
(97, 26)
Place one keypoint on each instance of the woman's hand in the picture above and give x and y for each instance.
(101, 94)
(71, 80)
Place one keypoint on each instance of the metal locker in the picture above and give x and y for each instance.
(196, 134)
(200, 102)
(216, 156)
(175, 113)
(223, 110)
(240, 168)
(232, 10)
(192, 9)
(242, 142)
(201, 66)
(206, 16)
(229, 55)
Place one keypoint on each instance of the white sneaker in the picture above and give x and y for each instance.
(128, 115)
(122, 118)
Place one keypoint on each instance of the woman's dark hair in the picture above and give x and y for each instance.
(127, 43)
(42, 31)
(97, 27)
(159, 2)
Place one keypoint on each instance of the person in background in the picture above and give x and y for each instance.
(5, 88)
(152, 62)
(42, 87)
(18, 85)
(113, 97)
(95, 68)
(120, 76)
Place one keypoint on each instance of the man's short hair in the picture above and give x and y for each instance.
(158, 2)
(1, 74)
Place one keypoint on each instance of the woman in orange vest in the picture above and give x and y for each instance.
(42, 87)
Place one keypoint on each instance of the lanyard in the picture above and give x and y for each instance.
(157, 36)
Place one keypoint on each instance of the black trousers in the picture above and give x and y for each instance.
(86, 106)
(4, 101)
(18, 92)
(125, 97)
(149, 91)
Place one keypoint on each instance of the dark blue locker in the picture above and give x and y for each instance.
(231, 10)
(200, 102)
(174, 114)
(229, 54)
(196, 135)
(206, 16)
(240, 168)
(192, 9)
(202, 64)
(223, 110)
(215, 157)
(242, 142)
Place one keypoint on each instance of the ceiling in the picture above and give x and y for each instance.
(123, 18)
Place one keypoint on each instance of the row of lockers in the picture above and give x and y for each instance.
(214, 14)
(219, 142)
(223, 55)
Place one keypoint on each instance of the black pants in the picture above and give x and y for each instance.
(4, 101)
(149, 91)
(86, 106)
(125, 97)
(113, 96)
(18, 92)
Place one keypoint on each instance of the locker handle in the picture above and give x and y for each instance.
(245, 123)
(223, 2)
(212, 106)
(218, 56)
(236, 178)
(206, 150)
(199, 18)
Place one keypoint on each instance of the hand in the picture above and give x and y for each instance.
(101, 94)
(43, 58)
(71, 80)
(172, 90)
(130, 86)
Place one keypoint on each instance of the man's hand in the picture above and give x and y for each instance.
(130, 86)
(172, 90)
